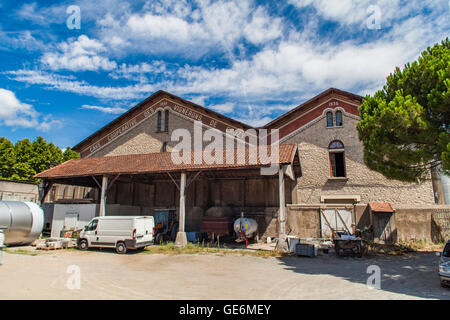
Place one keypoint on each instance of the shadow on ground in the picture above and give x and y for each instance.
(414, 274)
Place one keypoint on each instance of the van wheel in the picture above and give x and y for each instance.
(83, 245)
(121, 248)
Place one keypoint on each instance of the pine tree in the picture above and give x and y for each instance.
(405, 128)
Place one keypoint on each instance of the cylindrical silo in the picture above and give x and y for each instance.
(22, 222)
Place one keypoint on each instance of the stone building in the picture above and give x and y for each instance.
(328, 185)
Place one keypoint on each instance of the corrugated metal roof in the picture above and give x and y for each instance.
(381, 207)
(157, 163)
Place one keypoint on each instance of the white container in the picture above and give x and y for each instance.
(292, 242)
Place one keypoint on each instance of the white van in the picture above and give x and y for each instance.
(120, 232)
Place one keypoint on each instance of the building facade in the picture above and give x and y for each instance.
(331, 179)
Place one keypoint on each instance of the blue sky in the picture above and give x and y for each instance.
(251, 60)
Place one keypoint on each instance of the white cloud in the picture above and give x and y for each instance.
(138, 72)
(223, 108)
(349, 12)
(169, 28)
(189, 30)
(68, 84)
(43, 16)
(79, 55)
(262, 27)
(14, 113)
(200, 100)
(110, 110)
(301, 65)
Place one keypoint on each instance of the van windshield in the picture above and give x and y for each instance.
(446, 252)
(92, 226)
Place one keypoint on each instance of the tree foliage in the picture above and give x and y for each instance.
(25, 159)
(405, 127)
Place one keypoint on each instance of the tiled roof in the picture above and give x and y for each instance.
(381, 207)
(156, 163)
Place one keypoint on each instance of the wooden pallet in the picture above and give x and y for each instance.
(50, 248)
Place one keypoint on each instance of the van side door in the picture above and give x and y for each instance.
(91, 232)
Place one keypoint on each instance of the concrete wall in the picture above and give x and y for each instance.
(313, 144)
(18, 191)
(27, 191)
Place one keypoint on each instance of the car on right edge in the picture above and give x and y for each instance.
(444, 265)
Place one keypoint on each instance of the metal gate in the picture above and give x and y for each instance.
(335, 220)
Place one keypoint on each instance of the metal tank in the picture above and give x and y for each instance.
(247, 225)
(22, 222)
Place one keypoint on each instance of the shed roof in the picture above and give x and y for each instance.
(381, 207)
(159, 163)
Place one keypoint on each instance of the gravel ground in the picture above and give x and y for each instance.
(106, 275)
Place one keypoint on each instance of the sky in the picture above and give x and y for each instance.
(68, 68)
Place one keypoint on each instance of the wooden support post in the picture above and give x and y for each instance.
(43, 190)
(181, 240)
(282, 244)
(102, 212)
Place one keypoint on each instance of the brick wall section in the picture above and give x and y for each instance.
(313, 144)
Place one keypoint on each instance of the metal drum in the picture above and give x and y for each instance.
(22, 222)
(249, 226)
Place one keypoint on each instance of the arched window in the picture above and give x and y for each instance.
(166, 121)
(158, 124)
(338, 119)
(337, 159)
(329, 119)
(336, 144)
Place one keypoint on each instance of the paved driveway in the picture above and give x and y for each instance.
(106, 275)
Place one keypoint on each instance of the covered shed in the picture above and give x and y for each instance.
(154, 181)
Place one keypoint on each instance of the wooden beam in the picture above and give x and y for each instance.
(173, 180)
(44, 189)
(98, 184)
(193, 178)
(112, 182)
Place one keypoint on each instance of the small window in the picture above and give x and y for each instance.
(337, 159)
(329, 119)
(164, 147)
(158, 125)
(166, 121)
(338, 119)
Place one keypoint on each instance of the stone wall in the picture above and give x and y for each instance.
(430, 223)
(313, 144)
(144, 138)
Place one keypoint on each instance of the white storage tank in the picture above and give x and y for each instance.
(22, 222)
(248, 225)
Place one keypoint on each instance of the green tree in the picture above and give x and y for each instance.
(70, 154)
(7, 158)
(405, 127)
(22, 167)
(41, 156)
(25, 159)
